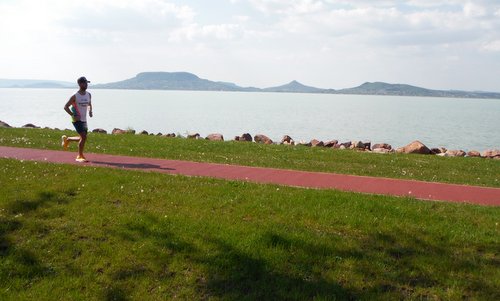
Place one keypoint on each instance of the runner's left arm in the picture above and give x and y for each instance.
(90, 105)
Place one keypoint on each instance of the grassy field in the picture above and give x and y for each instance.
(85, 233)
(472, 171)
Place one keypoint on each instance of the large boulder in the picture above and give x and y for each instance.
(345, 145)
(4, 125)
(170, 135)
(317, 143)
(491, 153)
(244, 138)
(455, 153)
(117, 131)
(357, 144)
(262, 139)
(416, 147)
(215, 137)
(100, 131)
(473, 153)
(382, 145)
(144, 133)
(331, 143)
(287, 140)
(193, 136)
(438, 150)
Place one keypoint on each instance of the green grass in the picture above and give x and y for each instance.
(86, 233)
(471, 171)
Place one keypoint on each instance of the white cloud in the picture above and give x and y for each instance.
(270, 40)
(474, 10)
(197, 32)
(287, 7)
(493, 46)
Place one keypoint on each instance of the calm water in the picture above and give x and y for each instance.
(453, 123)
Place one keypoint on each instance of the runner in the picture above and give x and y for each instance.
(79, 103)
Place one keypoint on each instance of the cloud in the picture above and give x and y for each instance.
(287, 7)
(493, 46)
(197, 32)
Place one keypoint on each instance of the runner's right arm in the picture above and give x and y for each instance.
(70, 102)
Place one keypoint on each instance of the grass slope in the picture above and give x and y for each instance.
(472, 171)
(85, 233)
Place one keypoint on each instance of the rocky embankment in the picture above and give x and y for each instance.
(415, 147)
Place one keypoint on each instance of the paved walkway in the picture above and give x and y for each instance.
(373, 185)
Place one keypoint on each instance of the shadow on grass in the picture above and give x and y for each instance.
(26, 206)
(17, 262)
(412, 266)
(132, 165)
(224, 271)
(391, 264)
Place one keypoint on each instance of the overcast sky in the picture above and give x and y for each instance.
(438, 44)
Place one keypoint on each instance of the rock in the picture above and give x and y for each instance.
(159, 134)
(215, 137)
(380, 150)
(244, 138)
(262, 139)
(144, 133)
(491, 153)
(346, 144)
(438, 150)
(342, 146)
(100, 131)
(382, 145)
(416, 147)
(473, 153)
(171, 135)
(368, 145)
(30, 125)
(193, 136)
(117, 131)
(287, 140)
(303, 143)
(4, 125)
(316, 143)
(357, 144)
(455, 153)
(331, 143)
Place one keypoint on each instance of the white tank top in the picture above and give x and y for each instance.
(81, 104)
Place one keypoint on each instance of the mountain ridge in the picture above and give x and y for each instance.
(186, 81)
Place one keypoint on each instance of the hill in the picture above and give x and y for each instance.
(191, 82)
(294, 87)
(35, 83)
(171, 81)
(380, 88)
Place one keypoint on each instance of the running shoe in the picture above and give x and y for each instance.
(81, 159)
(64, 142)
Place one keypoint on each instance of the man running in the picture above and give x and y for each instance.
(79, 103)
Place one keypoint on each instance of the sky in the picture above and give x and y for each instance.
(436, 44)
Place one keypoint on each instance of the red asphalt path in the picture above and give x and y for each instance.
(373, 185)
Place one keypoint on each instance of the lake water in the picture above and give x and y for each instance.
(453, 123)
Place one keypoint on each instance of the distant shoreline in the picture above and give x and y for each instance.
(185, 81)
(279, 92)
